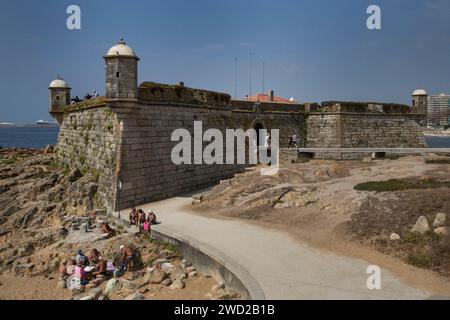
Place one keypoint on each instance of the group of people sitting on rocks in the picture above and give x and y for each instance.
(95, 269)
(142, 220)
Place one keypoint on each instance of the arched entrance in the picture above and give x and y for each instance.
(258, 127)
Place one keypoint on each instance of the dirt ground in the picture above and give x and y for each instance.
(196, 289)
(316, 203)
(41, 288)
(31, 288)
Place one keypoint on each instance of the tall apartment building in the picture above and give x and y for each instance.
(439, 110)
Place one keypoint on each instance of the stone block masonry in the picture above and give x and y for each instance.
(130, 140)
(380, 131)
(89, 140)
(363, 130)
(146, 170)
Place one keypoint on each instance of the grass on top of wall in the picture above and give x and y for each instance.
(95, 102)
(438, 161)
(399, 185)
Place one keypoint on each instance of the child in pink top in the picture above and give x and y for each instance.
(80, 273)
(147, 225)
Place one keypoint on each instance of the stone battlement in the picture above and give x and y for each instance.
(365, 107)
(158, 92)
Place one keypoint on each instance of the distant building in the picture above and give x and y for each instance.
(420, 101)
(439, 110)
(270, 97)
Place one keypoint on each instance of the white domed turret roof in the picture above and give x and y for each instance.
(121, 49)
(58, 83)
(419, 92)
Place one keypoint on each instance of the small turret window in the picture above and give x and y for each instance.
(57, 97)
(117, 74)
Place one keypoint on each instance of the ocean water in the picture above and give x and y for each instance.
(438, 142)
(28, 137)
(39, 137)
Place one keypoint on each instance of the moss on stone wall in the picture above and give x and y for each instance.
(87, 141)
(86, 104)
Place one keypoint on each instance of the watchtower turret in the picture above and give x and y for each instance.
(121, 72)
(59, 98)
(420, 101)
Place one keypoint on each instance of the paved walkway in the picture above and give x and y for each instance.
(284, 268)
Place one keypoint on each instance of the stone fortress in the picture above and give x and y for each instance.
(126, 135)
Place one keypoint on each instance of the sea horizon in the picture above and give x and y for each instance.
(39, 136)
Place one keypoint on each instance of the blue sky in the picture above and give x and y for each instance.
(314, 50)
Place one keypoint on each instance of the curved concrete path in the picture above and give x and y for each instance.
(284, 268)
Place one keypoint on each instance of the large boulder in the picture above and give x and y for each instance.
(168, 267)
(77, 290)
(422, 226)
(217, 287)
(180, 276)
(156, 277)
(158, 262)
(440, 220)
(167, 282)
(190, 269)
(394, 237)
(442, 231)
(185, 263)
(130, 286)
(95, 293)
(177, 284)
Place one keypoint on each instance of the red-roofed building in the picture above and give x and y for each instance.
(270, 97)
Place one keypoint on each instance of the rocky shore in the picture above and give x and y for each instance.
(47, 214)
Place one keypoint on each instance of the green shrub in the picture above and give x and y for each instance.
(73, 178)
(277, 202)
(417, 238)
(398, 185)
(413, 237)
(437, 161)
(168, 246)
(419, 260)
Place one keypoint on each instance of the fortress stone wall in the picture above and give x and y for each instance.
(89, 140)
(146, 169)
(131, 142)
(364, 125)
(126, 135)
